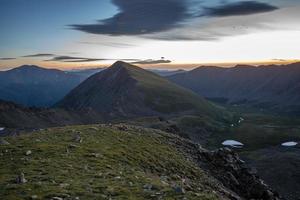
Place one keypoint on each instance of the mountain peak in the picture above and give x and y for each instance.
(124, 65)
(119, 63)
(28, 67)
(125, 90)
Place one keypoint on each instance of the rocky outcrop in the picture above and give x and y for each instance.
(226, 166)
(239, 181)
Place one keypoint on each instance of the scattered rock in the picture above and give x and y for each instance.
(73, 146)
(78, 138)
(29, 152)
(57, 198)
(34, 197)
(96, 155)
(148, 187)
(64, 185)
(21, 179)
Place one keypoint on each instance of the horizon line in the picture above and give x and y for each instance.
(162, 66)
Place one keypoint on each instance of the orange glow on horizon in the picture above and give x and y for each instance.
(5, 65)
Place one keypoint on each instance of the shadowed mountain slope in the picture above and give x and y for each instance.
(35, 86)
(275, 87)
(124, 90)
(15, 116)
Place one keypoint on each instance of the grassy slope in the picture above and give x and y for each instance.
(167, 97)
(260, 131)
(108, 163)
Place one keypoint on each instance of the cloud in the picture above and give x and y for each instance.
(150, 61)
(7, 58)
(110, 44)
(175, 19)
(138, 17)
(280, 60)
(216, 28)
(84, 59)
(39, 55)
(239, 8)
(63, 58)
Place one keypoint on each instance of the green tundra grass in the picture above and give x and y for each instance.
(99, 162)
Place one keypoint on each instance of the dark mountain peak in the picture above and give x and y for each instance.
(120, 64)
(123, 65)
(122, 70)
(125, 90)
(296, 64)
(28, 67)
(33, 68)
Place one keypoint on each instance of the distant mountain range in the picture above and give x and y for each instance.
(31, 85)
(162, 72)
(269, 87)
(272, 87)
(125, 90)
(85, 73)
(122, 91)
(35, 86)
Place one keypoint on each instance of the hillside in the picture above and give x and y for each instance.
(272, 87)
(120, 162)
(35, 86)
(16, 117)
(124, 90)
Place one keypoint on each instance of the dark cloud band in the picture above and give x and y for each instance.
(137, 17)
(145, 62)
(39, 55)
(84, 59)
(154, 17)
(7, 58)
(239, 8)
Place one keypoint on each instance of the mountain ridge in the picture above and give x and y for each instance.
(32, 85)
(273, 86)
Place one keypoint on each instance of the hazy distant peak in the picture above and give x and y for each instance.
(28, 67)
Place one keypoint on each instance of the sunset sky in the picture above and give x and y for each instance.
(163, 33)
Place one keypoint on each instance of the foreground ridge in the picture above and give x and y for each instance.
(118, 161)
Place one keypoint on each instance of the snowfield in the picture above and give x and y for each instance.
(289, 144)
(233, 143)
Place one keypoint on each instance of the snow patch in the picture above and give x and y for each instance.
(240, 120)
(2, 128)
(233, 143)
(289, 144)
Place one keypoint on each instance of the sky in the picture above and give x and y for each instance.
(151, 33)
